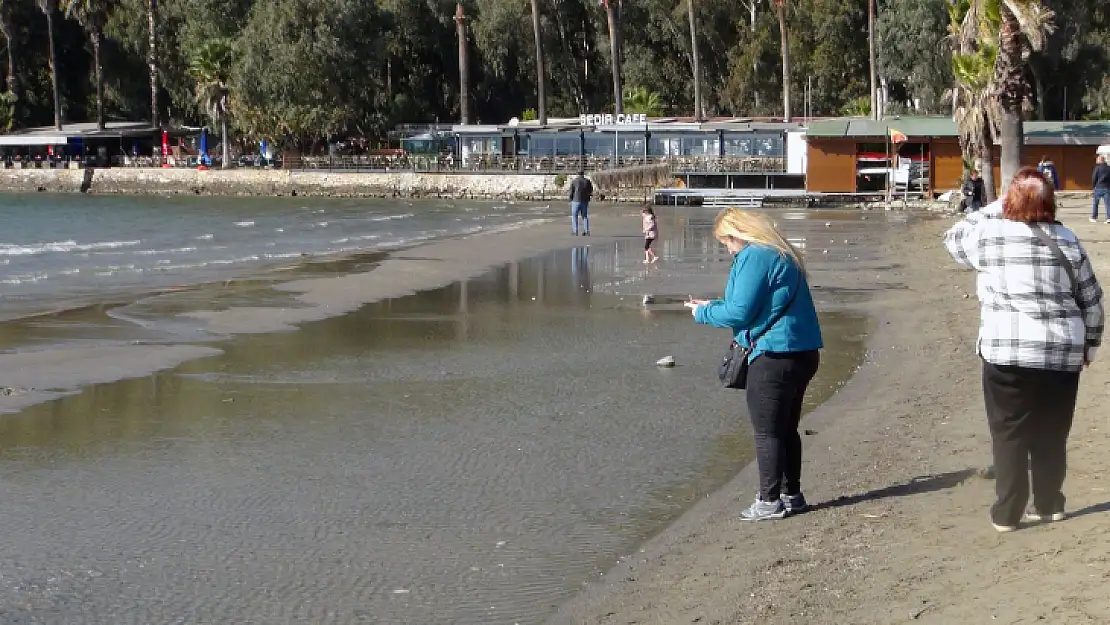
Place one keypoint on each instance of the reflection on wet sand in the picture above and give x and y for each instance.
(468, 454)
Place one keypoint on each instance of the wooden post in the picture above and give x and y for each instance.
(464, 80)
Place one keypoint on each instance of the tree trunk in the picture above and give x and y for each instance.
(8, 30)
(986, 155)
(225, 137)
(755, 59)
(615, 55)
(98, 71)
(1011, 137)
(541, 76)
(699, 111)
(785, 44)
(464, 79)
(54, 70)
(1035, 66)
(1012, 93)
(152, 59)
(875, 113)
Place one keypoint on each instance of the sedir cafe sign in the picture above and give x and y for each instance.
(608, 119)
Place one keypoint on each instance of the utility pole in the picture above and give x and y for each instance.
(464, 81)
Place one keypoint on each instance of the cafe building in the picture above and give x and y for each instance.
(923, 155)
(722, 153)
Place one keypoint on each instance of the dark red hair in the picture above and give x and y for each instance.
(1030, 198)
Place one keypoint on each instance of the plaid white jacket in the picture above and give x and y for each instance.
(1029, 316)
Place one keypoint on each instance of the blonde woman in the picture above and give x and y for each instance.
(768, 297)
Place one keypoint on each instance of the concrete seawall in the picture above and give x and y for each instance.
(256, 182)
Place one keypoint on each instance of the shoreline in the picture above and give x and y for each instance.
(31, 377)
(894, 468)
(307, 183)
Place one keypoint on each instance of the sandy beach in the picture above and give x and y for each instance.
(895, 464)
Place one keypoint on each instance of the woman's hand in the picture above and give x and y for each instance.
(693, 304)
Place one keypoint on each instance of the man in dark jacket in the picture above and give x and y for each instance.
(1100, 181)
(581, 190)
(1048, 170)
(973, 192)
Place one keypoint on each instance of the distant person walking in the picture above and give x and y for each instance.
(769, 309)
(651, 233)
(1041, 323)
(581, 191)
(973, 192)
(1100, 182)
(1048, 170)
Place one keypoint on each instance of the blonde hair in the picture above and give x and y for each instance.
(757, 228)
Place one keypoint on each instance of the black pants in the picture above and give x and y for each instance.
(1030, 414)
(776, 389)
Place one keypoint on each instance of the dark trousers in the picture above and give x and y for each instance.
(1101, 194)
(776, 389)
(1030, 413)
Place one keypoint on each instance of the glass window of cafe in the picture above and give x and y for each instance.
(699, 144)
(480, 146)
(554, 144)
(754, 145)
(629, 143)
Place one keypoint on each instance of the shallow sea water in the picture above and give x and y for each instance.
(473, 454)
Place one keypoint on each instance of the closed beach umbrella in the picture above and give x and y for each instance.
(203, 142)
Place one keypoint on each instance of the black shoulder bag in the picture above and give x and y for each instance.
(734, 368)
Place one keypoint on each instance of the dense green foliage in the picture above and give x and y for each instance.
(307, 70)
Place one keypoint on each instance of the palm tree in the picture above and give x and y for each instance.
(613, 15)
(640, 100)
(92, 15)
(541, 78)
(698, 111)
(1025, 26)
(780, 11)
(210, 68)
(464, 78)
(48, 7)
(875, 113)
(976, 110)
(1011, 28)
(152, 58)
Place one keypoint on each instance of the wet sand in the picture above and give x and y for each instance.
(901, 531)
(472, 453)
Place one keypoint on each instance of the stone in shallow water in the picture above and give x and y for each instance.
(666, 361)
(14, 391)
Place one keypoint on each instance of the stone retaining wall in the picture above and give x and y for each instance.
(262, 182)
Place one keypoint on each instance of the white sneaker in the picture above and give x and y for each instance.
(1094, 220)
(1037, 517)
(1004, 529)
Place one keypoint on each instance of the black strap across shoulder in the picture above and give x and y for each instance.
(1039, 232)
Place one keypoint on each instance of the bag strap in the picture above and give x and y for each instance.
(1040, 233)
(782, 311)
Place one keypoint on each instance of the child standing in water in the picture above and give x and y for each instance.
(651, 232)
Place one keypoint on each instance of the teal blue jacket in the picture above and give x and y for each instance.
(759, 286)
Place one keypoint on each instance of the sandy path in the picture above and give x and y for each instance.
(901, 533)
